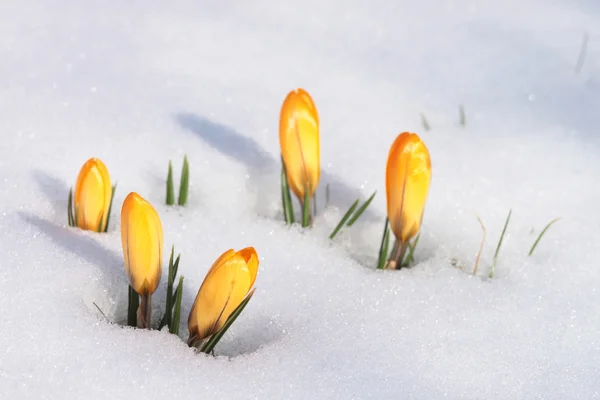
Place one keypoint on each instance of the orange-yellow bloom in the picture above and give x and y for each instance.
(225, 286)
(299, 141)
(93, 193)
(142, 241)
(408, 175)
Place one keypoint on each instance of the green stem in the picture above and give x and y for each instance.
(144, 313)
(134, 303)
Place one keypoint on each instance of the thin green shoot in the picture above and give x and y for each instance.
(184, 183)
(582, 53)
(425, 123)
(99, 309)
(411, 251)
(174, 328)
(286, 198)
(462, 117)
(166, 320)
(70, 208)
(112, 197)
(170, 187)
(327, 195)
(500, 245)
(212, 342)
(384, 247)
(306, 208)
(344, 219)
(542, 234)
(481, 245)
(361, 209)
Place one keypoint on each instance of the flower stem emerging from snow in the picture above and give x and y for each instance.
(462, 117)
(134, 303)
(395, 261)
(500, 245)
(542, 234)
(144, 312)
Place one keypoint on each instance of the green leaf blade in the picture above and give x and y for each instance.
(542, 234)
(411, 251)
(70, 216)
(174, 328)
(344, 219)
(384, 248)
(361, 209)
(500, 244)
(112, 197)
(306, 208)
(170, 200)
(212, 342)
(286, 198)
(166, 320)
(184, 183)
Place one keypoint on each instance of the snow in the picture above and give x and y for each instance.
(140, 83)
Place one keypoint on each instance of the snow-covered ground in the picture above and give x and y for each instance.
(137, 83)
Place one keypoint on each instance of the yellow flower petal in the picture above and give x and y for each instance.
(299, 141)
(93, 192)
(142, 241)
(225, 286)
(408, 176)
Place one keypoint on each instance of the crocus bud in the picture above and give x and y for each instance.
(408, 175)
(225, 286)
(93, 193)
(299, 141)
(142, 240)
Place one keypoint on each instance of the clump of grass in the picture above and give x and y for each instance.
(184, 184)
(173, 304)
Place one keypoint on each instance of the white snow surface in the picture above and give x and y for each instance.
(139, 83)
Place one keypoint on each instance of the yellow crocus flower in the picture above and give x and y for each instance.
(408, 175)
(225, 286)
(142, 241)
(93, 193)
(299, 141)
